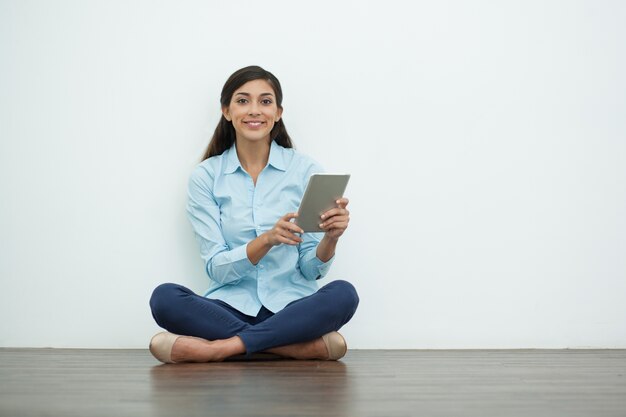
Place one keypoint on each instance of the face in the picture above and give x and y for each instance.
(253, 111)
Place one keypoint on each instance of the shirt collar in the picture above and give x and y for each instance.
(232, 162)
(276, 158)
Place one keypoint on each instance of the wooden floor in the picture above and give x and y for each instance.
(59, 382)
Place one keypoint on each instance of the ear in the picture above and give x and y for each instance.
(279, 114)
(226, 113)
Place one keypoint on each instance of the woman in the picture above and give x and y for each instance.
(263, 295)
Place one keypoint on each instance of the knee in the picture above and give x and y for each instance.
(348, 296)
(162, 300)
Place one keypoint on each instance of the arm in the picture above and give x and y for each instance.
(334, 222)
(316, 256)
(226, 264)
(223, 264)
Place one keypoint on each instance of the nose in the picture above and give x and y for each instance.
(254, 109)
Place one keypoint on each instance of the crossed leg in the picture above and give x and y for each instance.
(214, 331)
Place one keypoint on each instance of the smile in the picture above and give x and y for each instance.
(254, 123)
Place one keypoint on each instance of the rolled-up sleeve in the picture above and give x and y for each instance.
(223, 264)
(311, 266)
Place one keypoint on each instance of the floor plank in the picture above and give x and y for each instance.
(76, 382)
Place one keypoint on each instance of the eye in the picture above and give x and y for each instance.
(241, 101)
(266, 101)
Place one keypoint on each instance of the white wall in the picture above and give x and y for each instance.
(487, 143)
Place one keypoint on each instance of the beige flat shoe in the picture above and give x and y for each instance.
(336, 345)
(161, 346)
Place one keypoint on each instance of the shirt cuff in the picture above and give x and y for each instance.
(323, 267)
(314, 268)
(241, 264)
(230, 266)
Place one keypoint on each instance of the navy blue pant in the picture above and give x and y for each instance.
(179, 310)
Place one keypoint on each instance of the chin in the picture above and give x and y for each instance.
(256, 138)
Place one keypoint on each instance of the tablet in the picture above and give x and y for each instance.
(320, 195)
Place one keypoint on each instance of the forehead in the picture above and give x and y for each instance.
(255, 88)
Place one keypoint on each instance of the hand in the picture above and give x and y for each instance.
(335, 221)
(284, 231)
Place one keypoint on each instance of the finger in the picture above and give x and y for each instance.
(287, 234)
(291, 227)
(284, 236)
(335, 212)
(287, 217)
(286, 223)
(341, 205)
(342, 202)
(335, 222)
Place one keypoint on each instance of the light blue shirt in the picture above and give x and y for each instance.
(227, 211)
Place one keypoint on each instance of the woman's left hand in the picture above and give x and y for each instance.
(335, 221)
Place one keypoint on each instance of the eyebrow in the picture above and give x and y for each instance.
(248, 94)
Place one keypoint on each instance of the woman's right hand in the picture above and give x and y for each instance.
(284, 231)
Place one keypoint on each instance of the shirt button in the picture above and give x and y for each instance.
(261, 266)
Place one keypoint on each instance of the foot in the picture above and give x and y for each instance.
(313, 349)
(195, 349)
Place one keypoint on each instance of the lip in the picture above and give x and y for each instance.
(254, 123)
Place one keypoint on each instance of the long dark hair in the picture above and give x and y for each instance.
(224, 135)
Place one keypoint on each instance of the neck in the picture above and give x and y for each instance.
(253, 155)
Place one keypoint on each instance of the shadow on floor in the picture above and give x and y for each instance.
(276, 387)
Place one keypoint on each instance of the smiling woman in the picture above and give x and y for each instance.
(253, 112)
(263, 269)
(224, 136)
